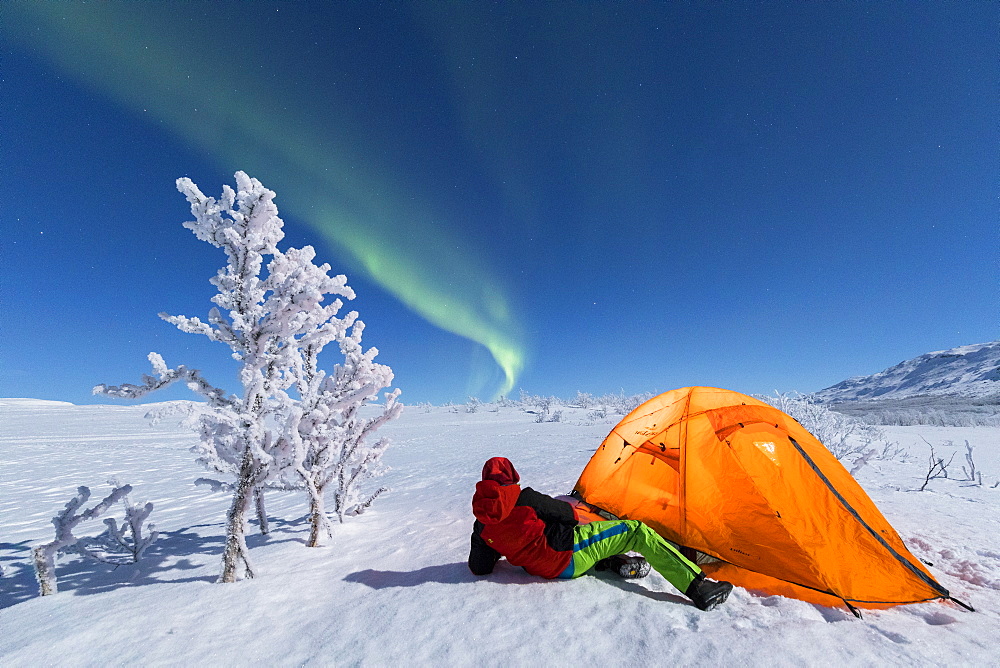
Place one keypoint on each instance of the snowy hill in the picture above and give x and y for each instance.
(27, 403)
(968, 371)
(392, 586)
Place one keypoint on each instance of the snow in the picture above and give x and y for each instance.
(392, 586)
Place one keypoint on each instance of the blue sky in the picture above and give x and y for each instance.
(551, 196)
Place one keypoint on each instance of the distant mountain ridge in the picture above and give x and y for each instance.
(967, 371)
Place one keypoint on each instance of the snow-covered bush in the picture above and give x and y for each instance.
(848, 438)
(331, 436)
(621, 403)
(597, 415)
(44, 556)
(124, 544)
(541, 404)
(630, 403)
(504, 402)
(276, 325)
(472, 405)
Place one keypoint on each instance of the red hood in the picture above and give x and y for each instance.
(493, 502)
(499, 469)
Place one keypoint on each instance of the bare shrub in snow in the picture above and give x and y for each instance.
(936, 466)
(472, 405)
(276, 324)
(218, 450)
(862, 461)
(834, 430)
(44, 556)
(524, 399)
(539, 402)
(892, 451)
(972, 473)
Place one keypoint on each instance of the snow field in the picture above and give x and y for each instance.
(391, 586)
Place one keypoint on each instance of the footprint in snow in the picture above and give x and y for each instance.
(939, 618)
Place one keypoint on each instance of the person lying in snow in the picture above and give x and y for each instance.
(542, 535)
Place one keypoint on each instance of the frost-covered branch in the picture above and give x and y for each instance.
(123, 544)
(165, 377)
(972, 473)
(65, 522)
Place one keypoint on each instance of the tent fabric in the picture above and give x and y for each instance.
(741, 481)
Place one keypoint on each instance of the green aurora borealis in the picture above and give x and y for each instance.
(553, 197)
(303, 152)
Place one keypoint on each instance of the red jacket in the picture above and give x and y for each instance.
(530, 529)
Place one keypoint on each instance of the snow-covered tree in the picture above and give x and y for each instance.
(276, 324)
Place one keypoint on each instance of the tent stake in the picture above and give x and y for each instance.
(855, 611)
(964, 605)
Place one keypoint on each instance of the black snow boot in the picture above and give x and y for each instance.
(707, 594)
(624, 565)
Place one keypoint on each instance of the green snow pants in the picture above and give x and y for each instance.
(600, 540)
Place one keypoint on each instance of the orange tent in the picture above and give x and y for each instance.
(737, 479)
